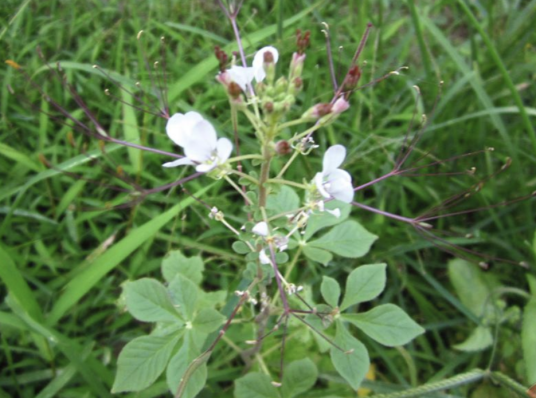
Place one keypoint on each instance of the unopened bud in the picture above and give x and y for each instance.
(302, 40)
(352, 78)
(268, 57)
(298, 82)
(269, 107)
(296, 65)
(234, 90)
(320, 110)
(340, 106)
(282, 147)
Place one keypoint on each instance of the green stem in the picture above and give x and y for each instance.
(246, 176)
(244, 157)
(286, 182)
(265, 175)
(289, 162)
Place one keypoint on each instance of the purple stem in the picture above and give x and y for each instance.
(384, 213)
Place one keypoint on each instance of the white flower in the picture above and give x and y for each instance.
(244, 75)
(263, 257)
(333, 182)
(199, 140)
(260, 229)
(258, 61)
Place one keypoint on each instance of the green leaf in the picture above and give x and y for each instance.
(184, 294)
(470, 285)
(364, 284)
(319, 255)
(286, 199)
(149, 301)
(299, 377)
(195, 377)
(353, 362)
(240, 247)
(255, 385)
(528, 340)
(176, 263)
(131, 130)
(141, 362)
(331, 291)
(324, 219)
(480, 339)
(208, 320)
(388, 324)
(348, 239)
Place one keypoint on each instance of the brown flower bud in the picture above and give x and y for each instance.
(298, 82)
(268, 57)
(322, 109)
(352, 78)
(234, 90)
(269, 107)
(282, 147)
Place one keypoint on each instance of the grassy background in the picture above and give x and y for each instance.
(63, 265)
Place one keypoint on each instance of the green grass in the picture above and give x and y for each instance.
(62, 266)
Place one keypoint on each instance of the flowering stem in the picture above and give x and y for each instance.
(306, 133)
(238, 189)
(244, 157)
(287, 182)
(292, 123)
(295, 211)
(265, 175)
(246, 176)
(287, 165)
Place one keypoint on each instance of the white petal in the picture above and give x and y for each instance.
(178, 162)
(258, 61)
(319, 182)
(205, 167)
(202, 143)
(342, 190)
(241, 76)
(333, 158)
(338, 176)
(264, 258)
(334, 212)
(179, 126)
(260, 229)
(224, 147)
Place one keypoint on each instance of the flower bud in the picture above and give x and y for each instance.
(296, 65)
(234, 90)
(320, 110)
(269, 66)
(282, 147)
(352, 78)
(269, 107)
(340, 106)
(302, 40)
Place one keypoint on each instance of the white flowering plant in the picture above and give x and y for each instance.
(284, 223)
